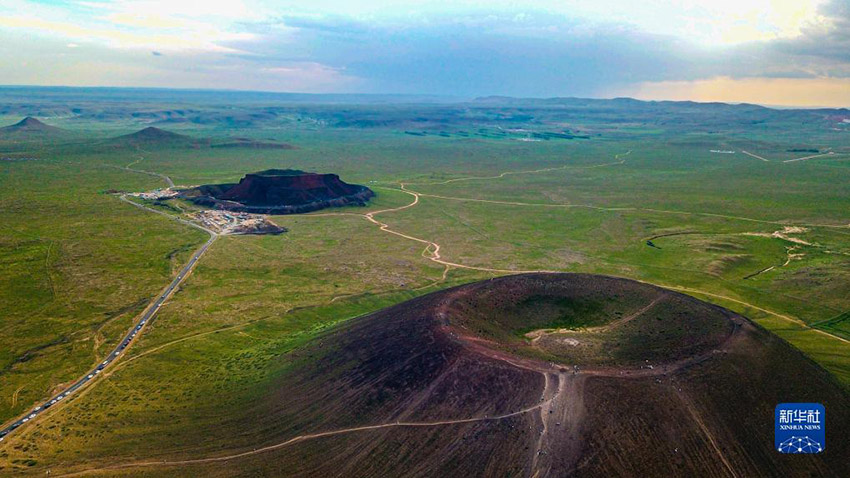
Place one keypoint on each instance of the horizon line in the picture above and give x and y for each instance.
(446, 98)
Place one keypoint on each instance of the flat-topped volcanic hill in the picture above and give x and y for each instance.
(626, 379)
(281, 191)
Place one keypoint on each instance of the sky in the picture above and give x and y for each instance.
(776, 52)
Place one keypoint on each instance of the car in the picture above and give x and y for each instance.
(91, 375)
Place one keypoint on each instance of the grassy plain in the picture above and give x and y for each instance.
(78, 264)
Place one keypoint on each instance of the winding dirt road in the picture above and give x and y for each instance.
(432, 249)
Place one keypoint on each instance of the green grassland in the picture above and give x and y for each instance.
(77, 268)
(78, 264)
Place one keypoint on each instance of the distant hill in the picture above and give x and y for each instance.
(247, 143)
(31, 127)
(613, 103)
(153, 135)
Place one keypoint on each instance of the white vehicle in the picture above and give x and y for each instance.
(91, 375)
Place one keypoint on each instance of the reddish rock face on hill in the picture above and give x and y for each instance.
(270, 190)
(277, 191)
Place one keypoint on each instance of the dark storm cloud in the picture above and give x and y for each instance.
(830, 41)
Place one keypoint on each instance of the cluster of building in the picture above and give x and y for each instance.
(229, 222)
(157, 194)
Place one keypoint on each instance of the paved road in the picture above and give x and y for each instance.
(146, 317)
(170, 216)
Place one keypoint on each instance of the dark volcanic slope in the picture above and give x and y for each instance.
(277, 191)
(420, 389)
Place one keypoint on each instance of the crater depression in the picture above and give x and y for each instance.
(537, 375)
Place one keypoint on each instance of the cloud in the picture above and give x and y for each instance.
(462, 47)
(828, 39)
(51, 62)
(155, 24)
(532, 53)
(539, 53)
